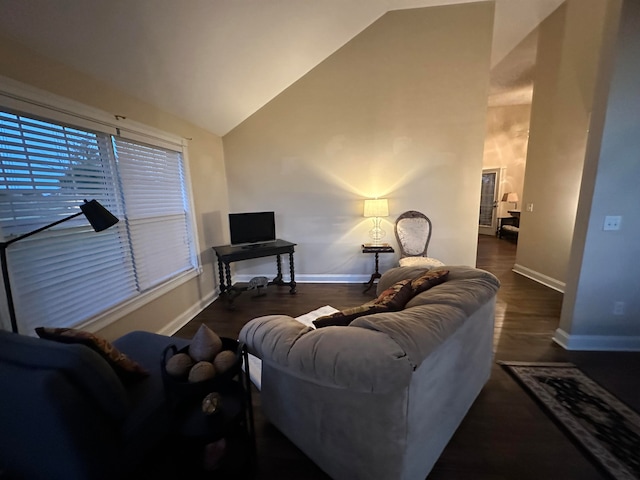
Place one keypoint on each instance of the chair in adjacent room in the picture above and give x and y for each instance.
(413, 233)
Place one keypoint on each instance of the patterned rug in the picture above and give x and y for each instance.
(604, 426)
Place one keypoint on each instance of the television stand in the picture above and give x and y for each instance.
(230, 253)
(252, 246)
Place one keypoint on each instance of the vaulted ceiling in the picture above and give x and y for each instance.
(216, 62)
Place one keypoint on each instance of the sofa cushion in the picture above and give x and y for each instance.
(430, 317)
(421, 262)
(464, 289)
(126, 368)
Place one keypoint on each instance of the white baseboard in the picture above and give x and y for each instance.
(597, 342)
(177, 323)
(320, 278)
(188, 315)
(540, 278)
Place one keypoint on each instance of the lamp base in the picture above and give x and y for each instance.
(376, 233)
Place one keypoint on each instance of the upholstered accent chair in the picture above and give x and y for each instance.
(413, 233)
(66, 414)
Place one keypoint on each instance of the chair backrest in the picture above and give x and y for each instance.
(63, 410)
(413, 232)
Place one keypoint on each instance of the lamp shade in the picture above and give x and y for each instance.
(99, 217)
(510, 197)
(378, 207)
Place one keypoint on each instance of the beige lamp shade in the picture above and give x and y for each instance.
(510, 197)
(378, 207)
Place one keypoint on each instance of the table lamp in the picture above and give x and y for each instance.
(511, 197)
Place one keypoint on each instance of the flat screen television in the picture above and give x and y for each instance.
(252, 227)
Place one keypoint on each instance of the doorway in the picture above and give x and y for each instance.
(487, 222)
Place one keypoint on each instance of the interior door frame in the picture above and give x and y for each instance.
(491, 230)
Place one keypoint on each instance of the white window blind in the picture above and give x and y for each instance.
(66, 275)
(157, 214)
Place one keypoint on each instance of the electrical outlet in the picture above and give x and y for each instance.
(612, 222)
(618, 308)
(529, 207)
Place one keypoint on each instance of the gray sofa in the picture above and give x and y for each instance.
(65, 414)
(380, 398)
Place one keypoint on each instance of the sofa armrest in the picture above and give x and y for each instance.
(272, 336)
(345, 357)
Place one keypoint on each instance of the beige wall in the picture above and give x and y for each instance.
(398, 112)
(505, 147)
(603, 265)
(206, 164)
(570, 43)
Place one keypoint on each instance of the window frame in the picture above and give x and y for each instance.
(39, 103)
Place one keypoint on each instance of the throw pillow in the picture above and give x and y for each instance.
(428, 279)
(393, 298)
(126, 368)
(396, 296)
(344, 317)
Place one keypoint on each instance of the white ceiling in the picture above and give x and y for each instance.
(216, 62)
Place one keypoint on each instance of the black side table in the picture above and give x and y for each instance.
(377, 249)
(233, 422)
(504, 221)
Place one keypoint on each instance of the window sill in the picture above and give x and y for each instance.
(114, 314)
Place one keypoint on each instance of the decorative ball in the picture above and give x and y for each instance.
(179, 365)
(205, 345)
(211, 403)
(224, 361)
(202, 371)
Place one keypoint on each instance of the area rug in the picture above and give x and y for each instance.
(607, 429)
(255, 364)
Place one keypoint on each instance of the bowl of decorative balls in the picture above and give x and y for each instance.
(209, 363)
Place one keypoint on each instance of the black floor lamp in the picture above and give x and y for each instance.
(100, 219)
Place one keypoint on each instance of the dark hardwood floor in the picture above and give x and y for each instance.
(505, 435)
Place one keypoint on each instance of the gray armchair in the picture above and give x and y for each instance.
(65, 414)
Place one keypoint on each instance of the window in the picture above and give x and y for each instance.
(68, 275)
